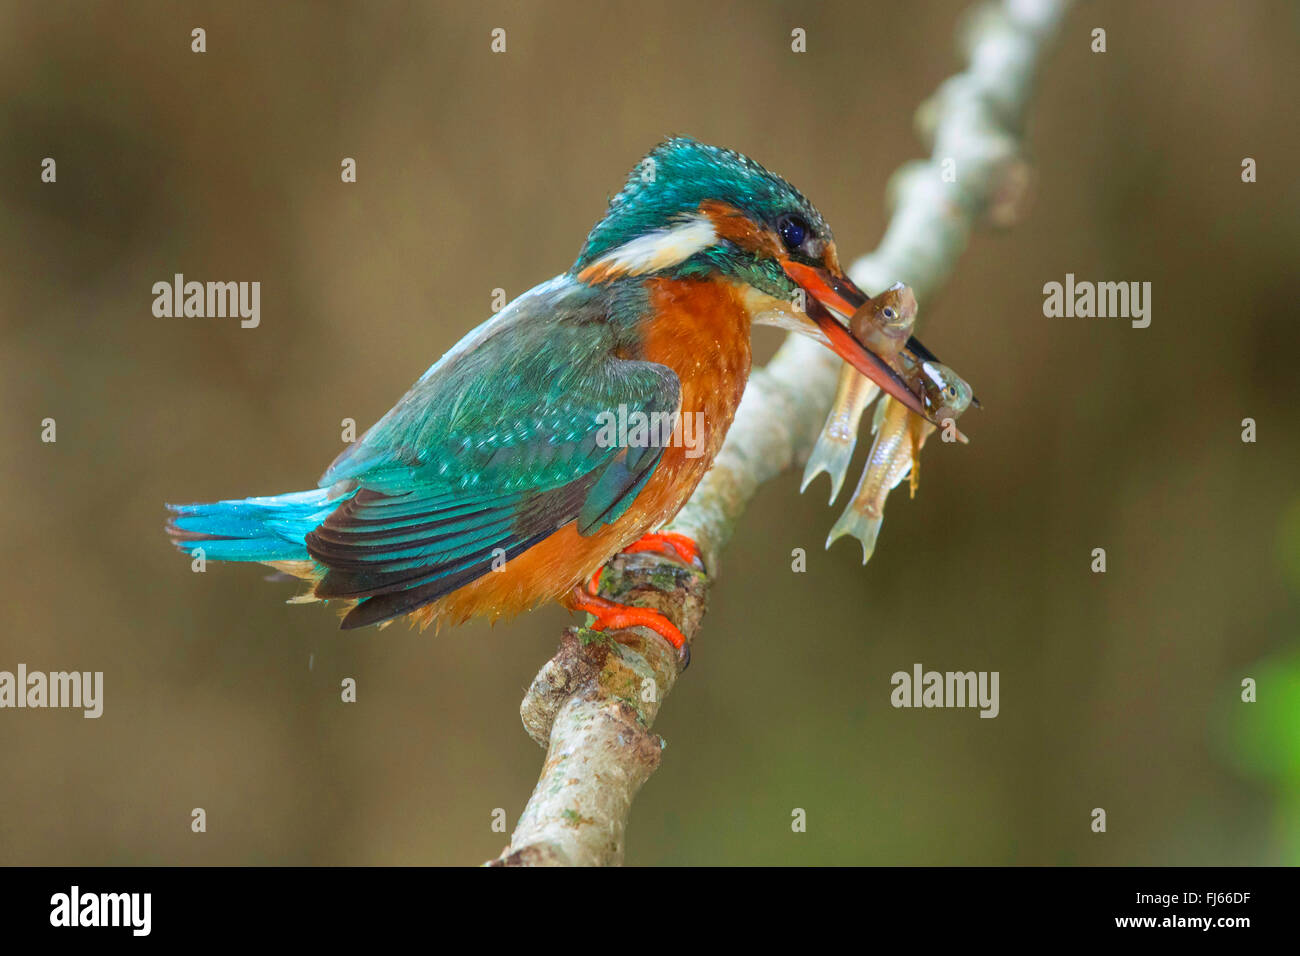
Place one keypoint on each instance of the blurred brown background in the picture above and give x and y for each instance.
(479, 170)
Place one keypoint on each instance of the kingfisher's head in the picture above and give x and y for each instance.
(691, 211)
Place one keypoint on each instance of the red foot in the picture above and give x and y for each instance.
(669, 543)
(614, 616)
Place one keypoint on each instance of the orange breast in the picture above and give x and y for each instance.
(701, 331)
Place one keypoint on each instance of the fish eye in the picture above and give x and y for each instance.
(793, 231)
(952, 390)
(888, 313)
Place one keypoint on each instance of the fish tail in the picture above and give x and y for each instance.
(832, 457)
(835, 443)
(856, 524)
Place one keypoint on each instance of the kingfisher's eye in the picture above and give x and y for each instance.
(793, 231)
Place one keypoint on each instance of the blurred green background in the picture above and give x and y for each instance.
(479, 171)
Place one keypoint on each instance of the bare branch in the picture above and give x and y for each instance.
(594, 702)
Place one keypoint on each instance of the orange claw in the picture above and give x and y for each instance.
(614, 616)
(668, 543)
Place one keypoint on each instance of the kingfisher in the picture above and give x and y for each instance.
(495, 483)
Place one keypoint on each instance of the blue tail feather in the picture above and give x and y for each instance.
(252, 529)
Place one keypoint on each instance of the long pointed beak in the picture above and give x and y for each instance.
(827, 290)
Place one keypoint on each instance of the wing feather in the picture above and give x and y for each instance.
(495, 448)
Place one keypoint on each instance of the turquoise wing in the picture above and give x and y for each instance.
(500, 444)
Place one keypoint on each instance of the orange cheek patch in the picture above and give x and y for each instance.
(735, 226)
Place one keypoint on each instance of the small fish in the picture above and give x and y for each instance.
(884, 324)
(895, 453)
(944, 393)
(887, 464)
(834, 448)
